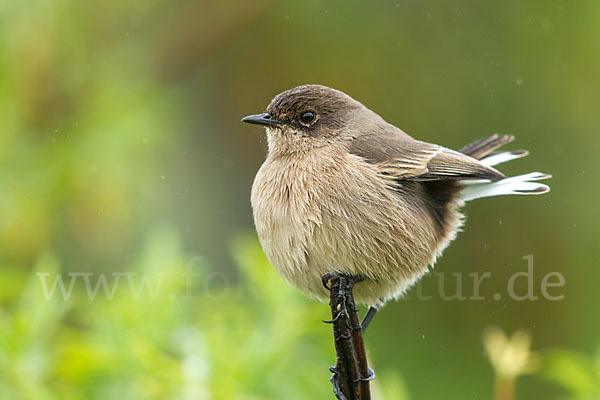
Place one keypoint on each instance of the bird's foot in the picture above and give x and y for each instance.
(343, 285)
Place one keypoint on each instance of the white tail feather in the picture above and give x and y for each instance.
(500, 158)
(521, 184)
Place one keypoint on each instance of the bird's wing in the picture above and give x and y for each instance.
(398, 155)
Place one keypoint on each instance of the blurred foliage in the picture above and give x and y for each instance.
(242, 341)
(120, 118)
(576, 372)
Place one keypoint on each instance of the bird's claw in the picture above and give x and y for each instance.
(367, 379)
(343, 312)
(325, 280)
(334, 320)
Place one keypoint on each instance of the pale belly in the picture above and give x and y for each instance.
(308, 228)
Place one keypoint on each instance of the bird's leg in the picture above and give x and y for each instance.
(369, 316)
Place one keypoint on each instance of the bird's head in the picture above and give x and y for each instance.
(308, 117)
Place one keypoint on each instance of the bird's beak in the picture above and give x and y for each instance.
(261, 119)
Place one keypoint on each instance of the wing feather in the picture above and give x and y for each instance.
(396, 154)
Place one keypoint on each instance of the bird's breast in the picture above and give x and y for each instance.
(287, 202)
(332, 212)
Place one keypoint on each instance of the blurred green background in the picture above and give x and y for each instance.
(122, 151)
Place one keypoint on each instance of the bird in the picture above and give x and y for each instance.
(342, 191)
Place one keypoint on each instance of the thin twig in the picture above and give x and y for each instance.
(351, 374)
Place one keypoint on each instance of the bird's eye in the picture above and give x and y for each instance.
(307, 117)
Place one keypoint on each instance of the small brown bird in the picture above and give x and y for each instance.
(343, 191)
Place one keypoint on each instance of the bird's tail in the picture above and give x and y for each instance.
(483, 150)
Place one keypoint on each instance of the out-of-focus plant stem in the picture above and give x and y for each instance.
(504, 389)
